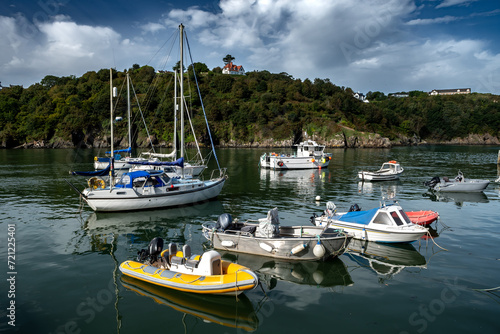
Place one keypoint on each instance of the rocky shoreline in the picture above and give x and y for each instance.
(341, 140)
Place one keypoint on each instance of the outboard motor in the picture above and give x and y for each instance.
(155, 247)
(223, 222)
(151, 254)
(354, 207)
(435, 180)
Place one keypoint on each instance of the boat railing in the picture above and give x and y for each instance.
(222, 173)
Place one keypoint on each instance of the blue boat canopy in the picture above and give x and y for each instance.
(126, 150)
(179, 162)
(141, 178)
(359, 217)
(101, 172)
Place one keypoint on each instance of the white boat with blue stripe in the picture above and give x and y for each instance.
(387, 223)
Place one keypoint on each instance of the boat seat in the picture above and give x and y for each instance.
(167, 274)
(177, 260)
(186, 251)
(172, 251)
(191, 263)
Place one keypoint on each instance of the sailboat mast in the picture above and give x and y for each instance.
(128, 110)
(175, 114)
(181, 71)
(111, 121)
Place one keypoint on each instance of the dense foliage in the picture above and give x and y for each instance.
(253, 107)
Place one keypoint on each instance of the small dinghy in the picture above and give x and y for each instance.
(179, 270)
(422, 217)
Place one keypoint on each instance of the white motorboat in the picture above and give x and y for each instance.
(390, 170)
(139, 190)
(306, 155)
(267, 237)
(387, 223)
(458, 184)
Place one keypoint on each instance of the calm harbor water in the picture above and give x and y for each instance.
(64, 277)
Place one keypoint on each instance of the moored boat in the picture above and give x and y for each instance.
(387, 223)
(390, 170)
(458, 184)
(267, 237)
(422, 217)
(180, 270)
(306, 155)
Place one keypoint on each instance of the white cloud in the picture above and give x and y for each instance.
(444, 19)
(449, 3)
(366, 45)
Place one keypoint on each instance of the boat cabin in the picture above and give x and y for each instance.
(308, 148)
(392, 166)
(138, 179)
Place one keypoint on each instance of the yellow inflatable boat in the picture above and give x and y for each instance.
(179, 270)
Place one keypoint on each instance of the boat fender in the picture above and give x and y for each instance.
(266, 247)
(312, 160)
(280, 163)
(323, 160)
(299, 248)
(228, 244)
(319, 249)
(318, 277)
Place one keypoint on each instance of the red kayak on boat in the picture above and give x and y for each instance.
(422, 217)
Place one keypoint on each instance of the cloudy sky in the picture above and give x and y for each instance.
(368, 45)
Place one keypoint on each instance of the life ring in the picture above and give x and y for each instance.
(95, 182)
(393, 162)
(280, 163)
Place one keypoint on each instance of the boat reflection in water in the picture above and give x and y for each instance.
(388, 189)
(458, 198)
(127, 222)
(220, 310)
(385, 259)
(315, 273)
(306, 181)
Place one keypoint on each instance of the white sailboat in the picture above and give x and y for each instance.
(139, 190)
(119, 162)
(154, 162)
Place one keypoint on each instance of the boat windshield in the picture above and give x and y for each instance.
(123, 182)
(396, 218)
(382, 218)
(405, 216)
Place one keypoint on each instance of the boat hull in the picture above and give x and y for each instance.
(469, 185)
(234, 281)
(387, 235)
(280, 247)
(292, 162)
(374, 176)
(128, 199)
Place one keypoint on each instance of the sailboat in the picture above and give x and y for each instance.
(101, 163)
(154, 162)
(142, 189)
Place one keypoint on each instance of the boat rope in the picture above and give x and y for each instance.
(434, 241)
(202, 104)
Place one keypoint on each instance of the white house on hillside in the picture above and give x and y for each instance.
(450, 91)
(230, 68)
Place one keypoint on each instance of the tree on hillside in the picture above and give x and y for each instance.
(227, 59)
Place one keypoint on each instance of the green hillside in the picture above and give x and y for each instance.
(256, 107)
